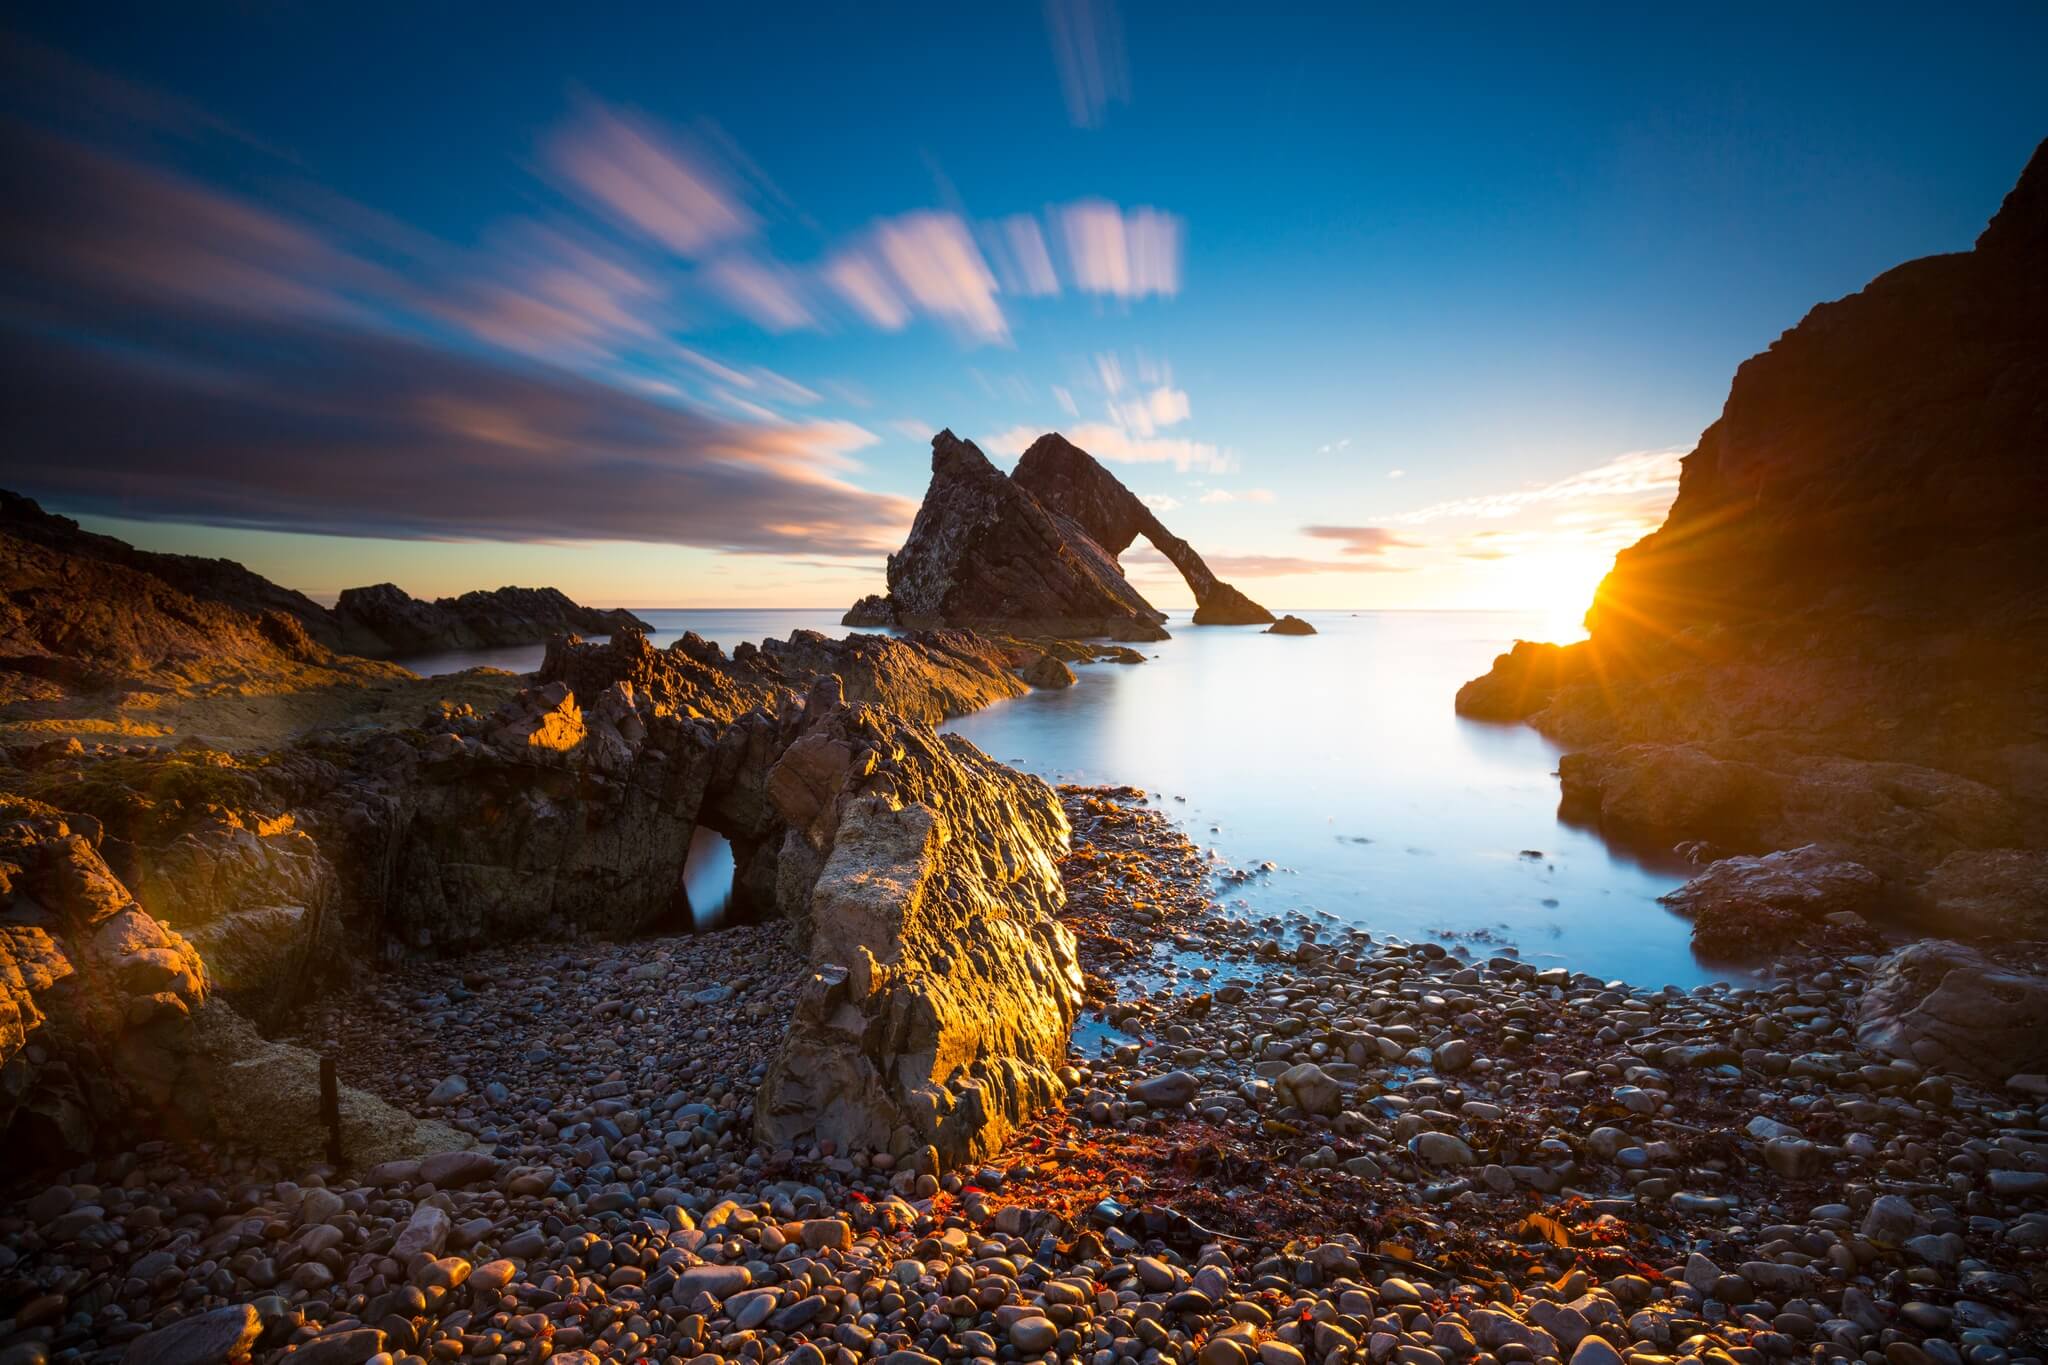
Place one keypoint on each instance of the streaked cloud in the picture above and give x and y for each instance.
(652, 183)
(936, 264)
(863, 284)
(1162, 407)
(1222, 495)
(1022, 262)
(1642, 478)
(1127, 255)
(1088, 51)
(176, 353)
(1361, 540)
(1142, 561)
(765, 293)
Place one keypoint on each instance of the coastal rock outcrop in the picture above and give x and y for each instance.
(184, 618)
(1744, 906)
(943, 986)
(1034, 552)
(107, 1020)
(384, 620)
(87, 614)
(1070, 483)
(1835, 635)
(1289, 625)
(1951, 1008)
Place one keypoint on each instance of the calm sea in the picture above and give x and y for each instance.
(1337, 758)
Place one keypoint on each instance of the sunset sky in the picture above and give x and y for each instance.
(662, 307)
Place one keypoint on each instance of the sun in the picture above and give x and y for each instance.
(1559, 583)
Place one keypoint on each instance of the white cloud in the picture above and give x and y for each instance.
(1160, 502)
(1221, 495)
(1162, 407)
(861, 283)
(1022, 258)
(1066, 401)
(766, 293)
(1113, 443)
(632, 173)
(1642, 479)
(1124, 255)
(934, 263)
(1397, 473)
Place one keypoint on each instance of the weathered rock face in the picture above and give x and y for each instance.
(384, 620)
(1035, 552)
(107, 1021)
(984, 552)
(1744, 906)
(91, 611)
(1068, 482)
(1999, 893)
(88, 613)
(1950, 1008)
(943, 985)
(1835, 635)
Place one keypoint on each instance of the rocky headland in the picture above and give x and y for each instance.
(986, 1071)
(1835, 638)
(1034, 552)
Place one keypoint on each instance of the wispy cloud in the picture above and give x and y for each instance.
(267, 377)
(1124, 255)
(1642, 478)
(1361, 540)
(1223, 495)
(862, 282)
(1022, 261)
(1145, 415)
(937, 265)
(767, 294)
(1145, 562)
(1118, 446)
(648, 181)
(1088, 49)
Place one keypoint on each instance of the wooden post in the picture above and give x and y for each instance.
(330, 1110)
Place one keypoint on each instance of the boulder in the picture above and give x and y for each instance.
(1046, 671)
(1991, 893)
(1750, 905)
(1289, 625)
(1951, 1008)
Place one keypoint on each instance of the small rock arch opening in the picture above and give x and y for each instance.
(710, 896)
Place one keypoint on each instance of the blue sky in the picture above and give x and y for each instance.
(663, 307)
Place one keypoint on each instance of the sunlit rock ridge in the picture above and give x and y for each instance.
(1836, 636)
(1035, 552)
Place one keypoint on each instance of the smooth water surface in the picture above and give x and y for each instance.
(1338, 758)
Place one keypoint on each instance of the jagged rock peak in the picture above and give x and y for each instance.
(1035, 552)
(1070, 482)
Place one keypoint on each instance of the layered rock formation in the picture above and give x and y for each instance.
(1835, 636)
(107, 1018)
(1068, 482)
(384, 621)
(85, 613)
(96, 610)
(943, 985)
(1035, 552)
(911, 865)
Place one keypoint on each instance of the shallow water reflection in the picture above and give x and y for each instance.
(1338, 758)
